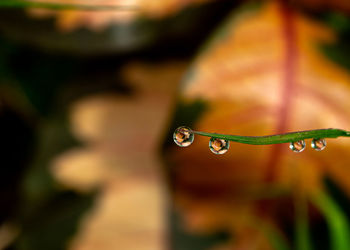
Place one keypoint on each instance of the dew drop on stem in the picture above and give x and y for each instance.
(218, 146)
(183, 136)
(318, 144)
(297, 146)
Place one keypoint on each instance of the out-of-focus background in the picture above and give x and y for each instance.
(89, 100)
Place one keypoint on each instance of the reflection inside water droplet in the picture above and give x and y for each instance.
(183, 136)
(318, 144)
(297, 146)
(218, 146)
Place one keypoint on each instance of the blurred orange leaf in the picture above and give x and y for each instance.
(263, 73)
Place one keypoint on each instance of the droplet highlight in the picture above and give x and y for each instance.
(183, 136)
(297, 146)
(218, 146)
(318, 144)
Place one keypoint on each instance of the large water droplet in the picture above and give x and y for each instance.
(183, 136)
(218, 146)
(297, 146)
(318, 144)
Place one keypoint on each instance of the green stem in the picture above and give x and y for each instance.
(280, 138)
(277, 241)
(303, 238)
(60, 6)
(336, 219)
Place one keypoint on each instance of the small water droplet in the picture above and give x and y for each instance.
(218, 146)
(183, 136)
(297, 146)
(318, 144)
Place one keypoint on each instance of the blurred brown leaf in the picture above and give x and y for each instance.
(68, 20)
(122, 134)
(336, 5)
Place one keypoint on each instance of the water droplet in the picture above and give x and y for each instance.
(297, 146)
(318, 144)
(218, 146)
(183, 136)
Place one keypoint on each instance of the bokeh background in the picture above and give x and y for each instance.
(89, 100)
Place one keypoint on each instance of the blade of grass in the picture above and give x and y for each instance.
(272, 234)
(302, 233)
(280, 138)
(336, 220)
(276, 239)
